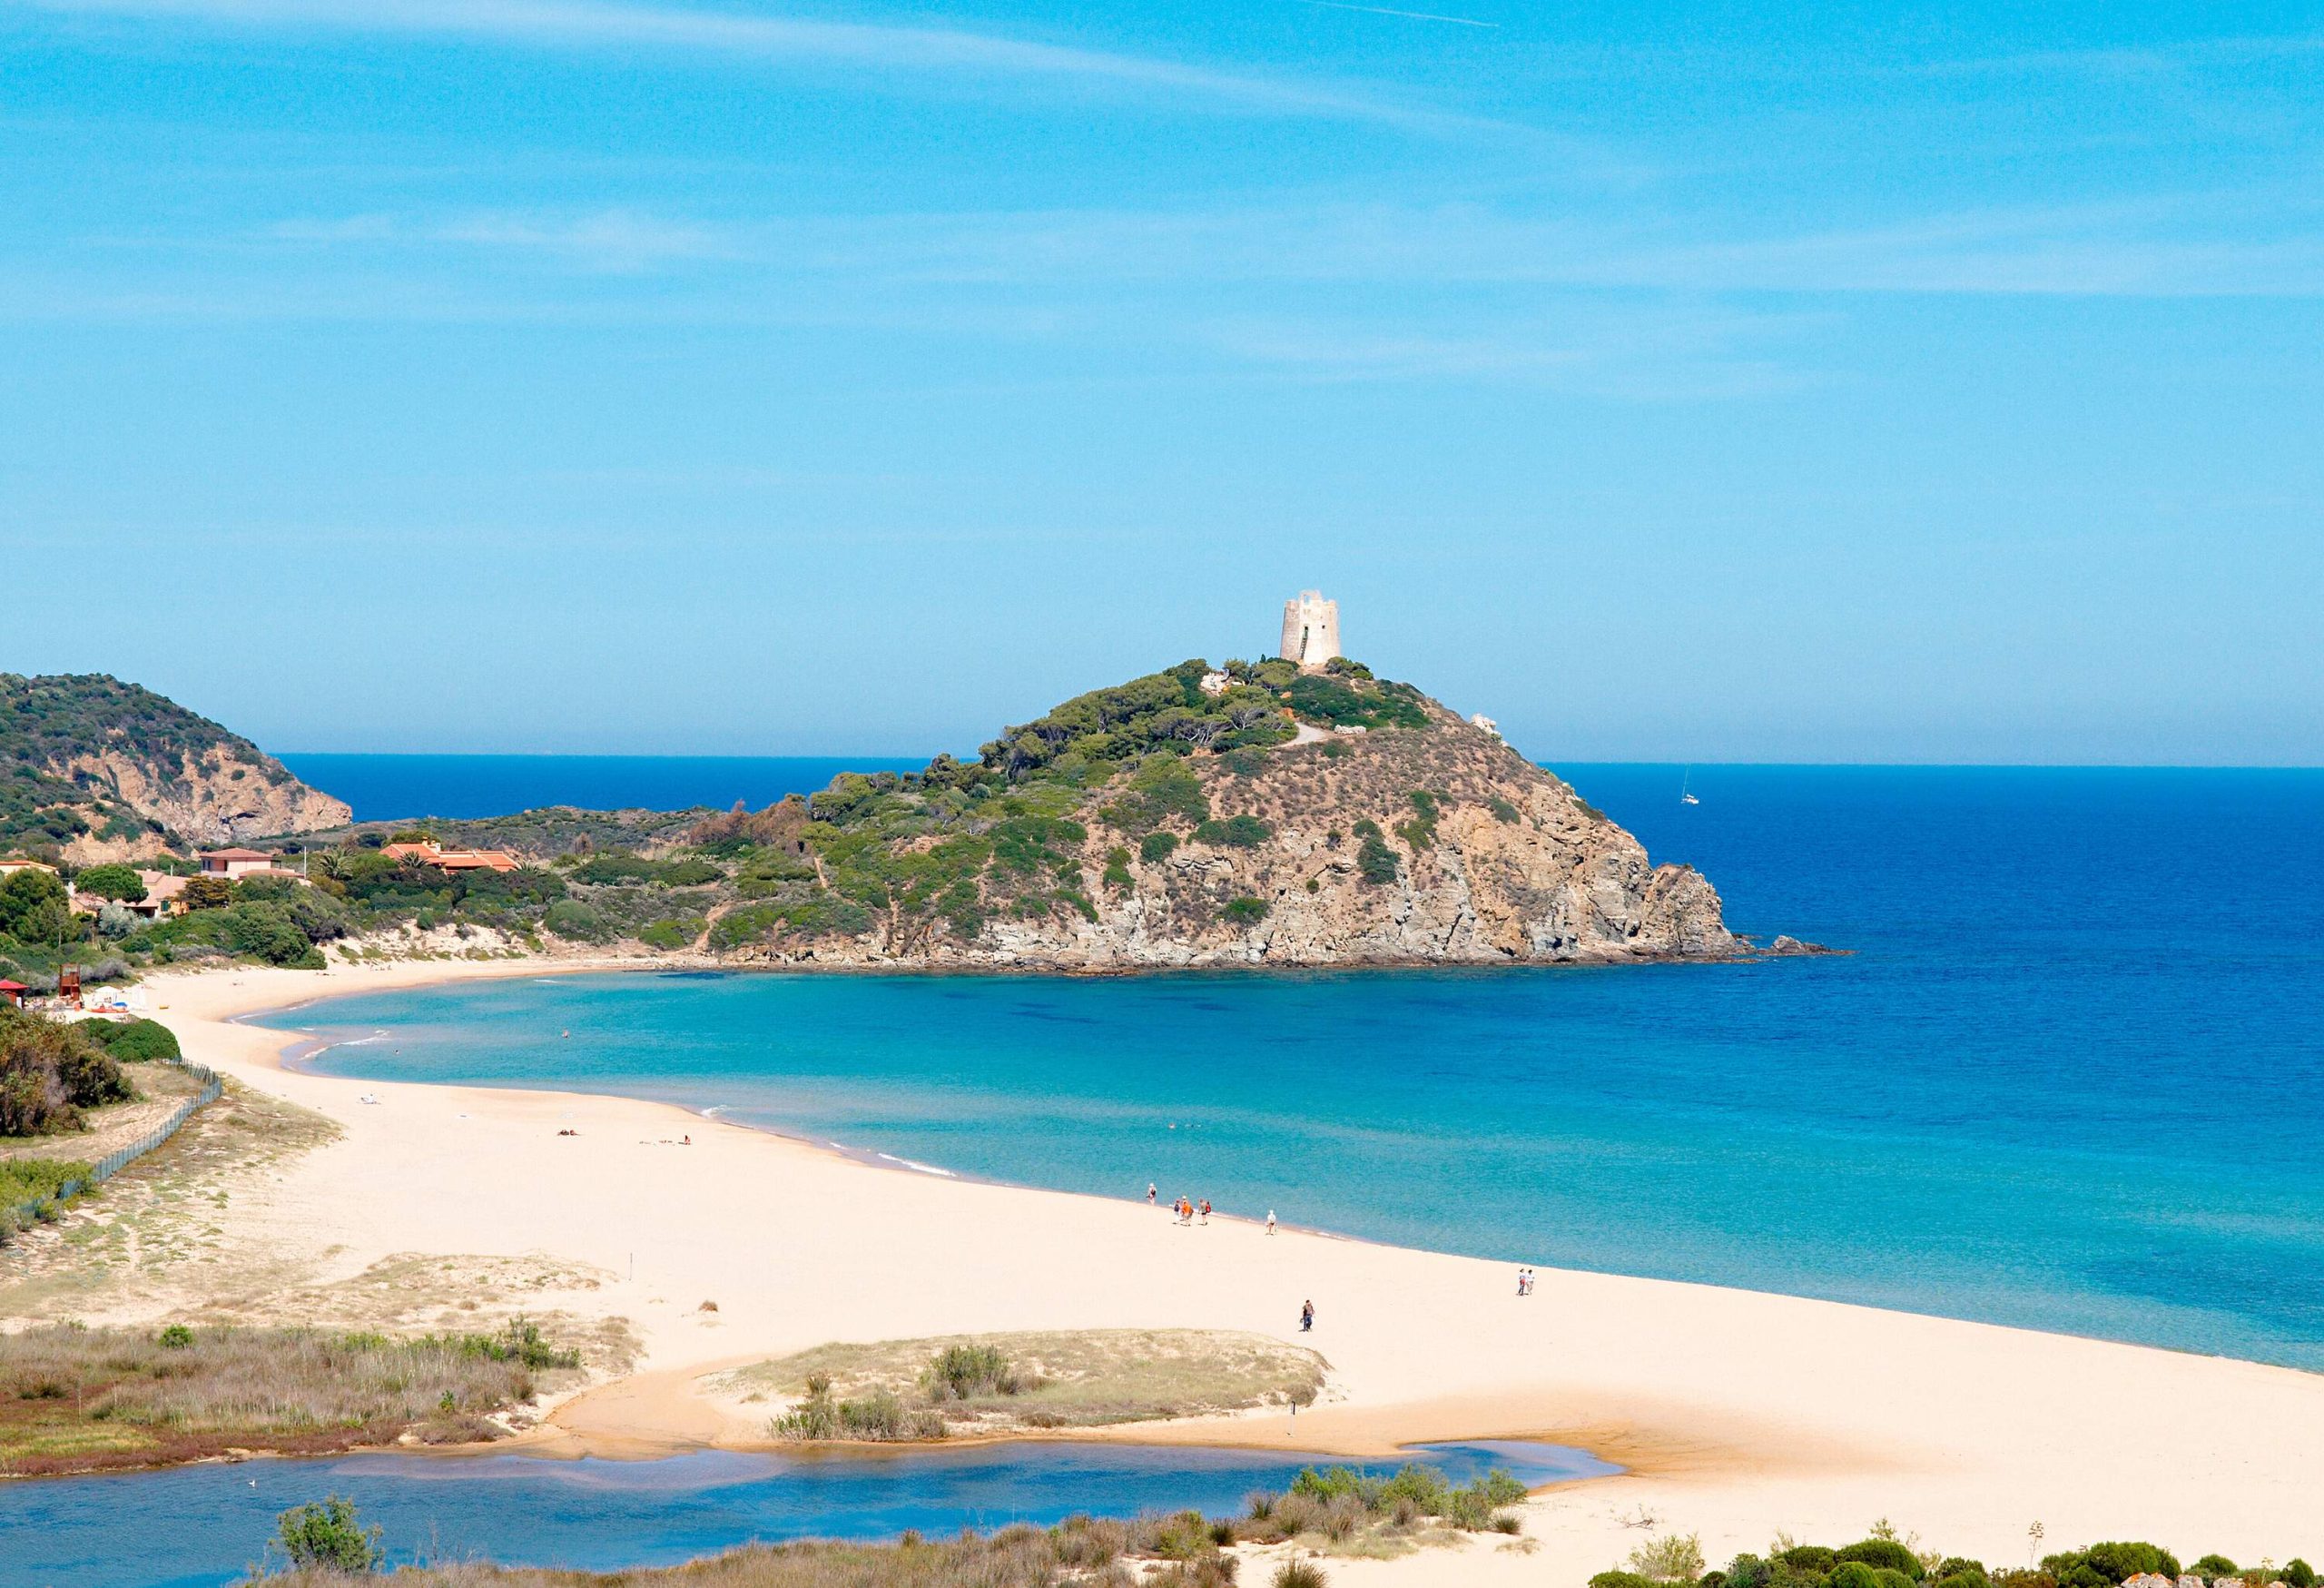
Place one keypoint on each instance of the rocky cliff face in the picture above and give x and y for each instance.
(98, 770)
(1435, 844)
(210, 797)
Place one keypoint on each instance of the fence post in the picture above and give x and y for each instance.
(114, 1162)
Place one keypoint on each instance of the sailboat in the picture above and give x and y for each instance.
(1686, 796)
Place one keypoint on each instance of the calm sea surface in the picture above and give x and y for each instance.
(2072, 1076)
(383, 788)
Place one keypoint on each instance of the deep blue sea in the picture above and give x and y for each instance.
(383, 788)
(2072, 1075)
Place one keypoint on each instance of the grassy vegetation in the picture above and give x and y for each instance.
(1333, 1512)
(1884, 1560)
(45, 721)
(904, 859)
(927, 1388)
(77, 1399)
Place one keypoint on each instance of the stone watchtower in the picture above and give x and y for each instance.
(1311, 630)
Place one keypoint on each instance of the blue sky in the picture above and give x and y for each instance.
(1671, 382)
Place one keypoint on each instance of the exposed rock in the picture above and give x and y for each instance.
(213, 797)
(1514, 867)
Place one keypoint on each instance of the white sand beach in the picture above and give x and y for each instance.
(1737, 1414)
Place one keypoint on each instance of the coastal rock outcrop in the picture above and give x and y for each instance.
(106, 771)
(1429, 844)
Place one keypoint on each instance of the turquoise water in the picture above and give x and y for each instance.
(2072, 1078)
(197, 1527)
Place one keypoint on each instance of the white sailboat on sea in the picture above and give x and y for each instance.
(1686, 796)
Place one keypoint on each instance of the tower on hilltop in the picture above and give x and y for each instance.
(1311, 630)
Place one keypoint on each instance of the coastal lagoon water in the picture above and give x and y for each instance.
(198, 1526)
(2071, 1076)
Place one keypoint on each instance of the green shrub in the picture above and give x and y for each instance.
(670, 933)
(325, 1536)
(1809, 1557)
(2102, 1565)
(1678, 1558)
(1502, 811)
(1116, 874)
(1855, 1574)
(966, 1372)
(1619, 1579)
(1235, 832)
(569, 918)
(49, 1073)
(112, 882)
(1244, 912)
(135, 1042)
(2212, 1566)
(175, 1338)
(1376, 863)
(1883, 1551)
(2298, 1574)
(1157, 846)
(1300, 1575)
(1961, 1566)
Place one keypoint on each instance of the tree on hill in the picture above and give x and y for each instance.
(34, 908)
(112, 882)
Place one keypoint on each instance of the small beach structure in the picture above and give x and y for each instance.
(13, 993)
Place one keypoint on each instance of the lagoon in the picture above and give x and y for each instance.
(200, 1526)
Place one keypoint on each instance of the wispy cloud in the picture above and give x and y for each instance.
(618, 241)
(1407, 15)
(607, 23)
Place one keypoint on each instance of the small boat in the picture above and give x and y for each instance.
(1685, 796)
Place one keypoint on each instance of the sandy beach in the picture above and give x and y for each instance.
(1737, 1414)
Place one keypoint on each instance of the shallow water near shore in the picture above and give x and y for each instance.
(195, 1527)
(2072, 1078)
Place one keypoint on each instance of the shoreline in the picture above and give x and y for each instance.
(1735, 1412)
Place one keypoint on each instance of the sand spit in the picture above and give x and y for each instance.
(1739, 1414)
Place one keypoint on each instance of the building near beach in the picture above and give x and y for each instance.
(235, 865)
(1311, 630)
(428, 852)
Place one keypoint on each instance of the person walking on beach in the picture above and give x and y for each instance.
(1150, 1193)
(1270, 1221)
(1306, 1317)
(1205, 1209)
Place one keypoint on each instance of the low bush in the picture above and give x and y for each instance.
(2214, 1566)
(2103, 1565)
(325, 1536)
(1157, 846)
(50, 1073)
(963, 1373)
(135, 1042)
(1884, 1551)
(1376, 863)
(1234, 832)
(1244, 912)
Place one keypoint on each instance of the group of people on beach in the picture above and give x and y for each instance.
(1524, 1281)
(1189, 1211)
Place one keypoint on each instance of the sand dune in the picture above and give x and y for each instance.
(1739, 1414)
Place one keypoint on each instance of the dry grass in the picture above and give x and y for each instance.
(158, 1231)
(77, 1399)
(1063, 1378)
